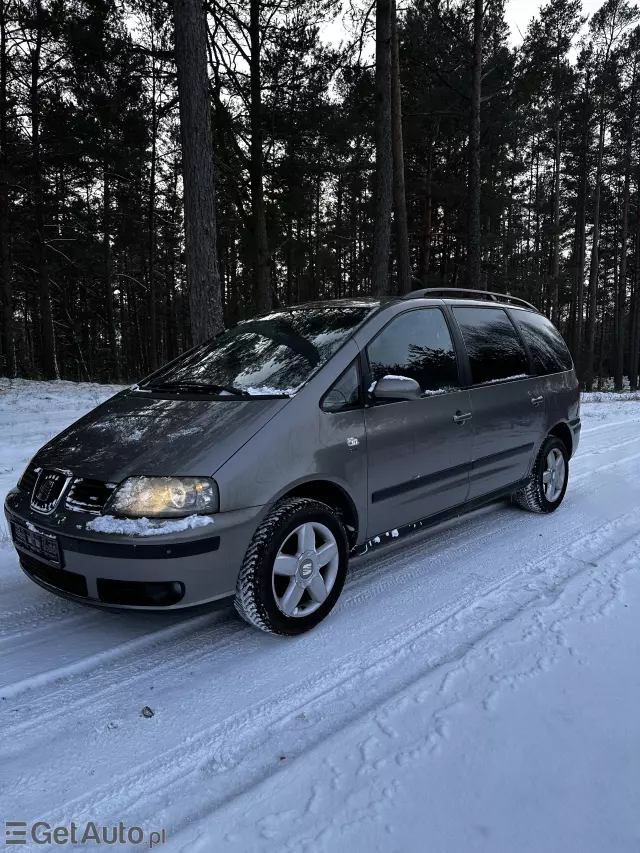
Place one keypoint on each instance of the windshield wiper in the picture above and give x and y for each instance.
(199, 388)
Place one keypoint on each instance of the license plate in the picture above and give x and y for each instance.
(36, 542)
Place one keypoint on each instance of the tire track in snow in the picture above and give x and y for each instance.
(611, 425)
(214, 751)
(598, 450)
(201, 641)
(135, 645)
(352, 783)
(363, 584)
(26, 632)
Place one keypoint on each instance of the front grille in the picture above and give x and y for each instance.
(61, 579)
(48, 490)
(89, 495)
(28, 479)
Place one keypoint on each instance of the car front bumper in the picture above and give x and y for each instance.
(167, 571)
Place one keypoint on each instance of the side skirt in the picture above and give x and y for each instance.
(432, 520)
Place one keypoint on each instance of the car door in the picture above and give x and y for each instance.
(552, 365)
(419, 450)
(506, 400)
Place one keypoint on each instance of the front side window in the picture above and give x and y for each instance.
(271, 355)
(494, 348)
(549, 352)
(344, 394)
(416, 345)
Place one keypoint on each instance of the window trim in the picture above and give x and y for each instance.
(357, 362)
(368, 376)
(493, 382)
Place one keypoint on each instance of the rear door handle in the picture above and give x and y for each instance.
(537, 400)
(459, 418)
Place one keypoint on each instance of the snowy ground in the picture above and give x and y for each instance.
(476, 689)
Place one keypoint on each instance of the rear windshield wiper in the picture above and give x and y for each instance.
(199, 388)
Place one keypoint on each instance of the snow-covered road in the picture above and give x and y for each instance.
(477, 687)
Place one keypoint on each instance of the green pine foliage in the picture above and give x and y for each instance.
(92, 266)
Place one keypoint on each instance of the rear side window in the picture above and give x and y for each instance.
(417, 345)
(494, 347)
(549, 352)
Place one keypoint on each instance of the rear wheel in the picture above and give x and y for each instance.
(548, 480)
(294, 569)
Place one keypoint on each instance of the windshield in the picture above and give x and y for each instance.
(272, 355)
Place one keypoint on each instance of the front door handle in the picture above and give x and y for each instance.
(459, 418)
(537, 400)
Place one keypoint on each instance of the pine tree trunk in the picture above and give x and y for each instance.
(581, 227)
(203, 276)
(338, 252)
(47, 350)
(316, 243)
(384, 158)
(634, 355)
(593, 271)
(621, 294)
(425, 235)
(626, 194)
(6, 289)
(555, 256)
(581, 236)
(399, 194)
(473, 278)
(153, 343)
(108, 285)
(262, 271)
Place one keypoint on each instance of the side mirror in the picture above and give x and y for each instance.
(396, 388)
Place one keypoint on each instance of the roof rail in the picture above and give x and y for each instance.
(425, 293)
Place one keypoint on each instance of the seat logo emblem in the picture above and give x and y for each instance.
(306, 569)
(48, 490)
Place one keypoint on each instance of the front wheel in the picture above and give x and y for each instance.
(294, 569)
(548, 480)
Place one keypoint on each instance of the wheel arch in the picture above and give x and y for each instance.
(330, 493)
(562, 431)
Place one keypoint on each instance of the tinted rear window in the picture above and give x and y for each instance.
(274, 354)
(494, 347)
(549, 352)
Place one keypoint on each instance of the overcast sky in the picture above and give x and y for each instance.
(520, 12)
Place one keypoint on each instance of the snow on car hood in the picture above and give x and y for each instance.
(133, 433)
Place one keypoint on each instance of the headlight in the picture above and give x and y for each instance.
(164, 497)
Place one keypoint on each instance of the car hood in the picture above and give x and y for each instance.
(134, 433)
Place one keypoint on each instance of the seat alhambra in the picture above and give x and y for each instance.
(254, 465)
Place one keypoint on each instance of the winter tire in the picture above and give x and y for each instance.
(294, 569)
(548, 480)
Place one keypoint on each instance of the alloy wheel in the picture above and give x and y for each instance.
(305, 569)
(554, 475)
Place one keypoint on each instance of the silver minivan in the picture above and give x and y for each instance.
(255, 464)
